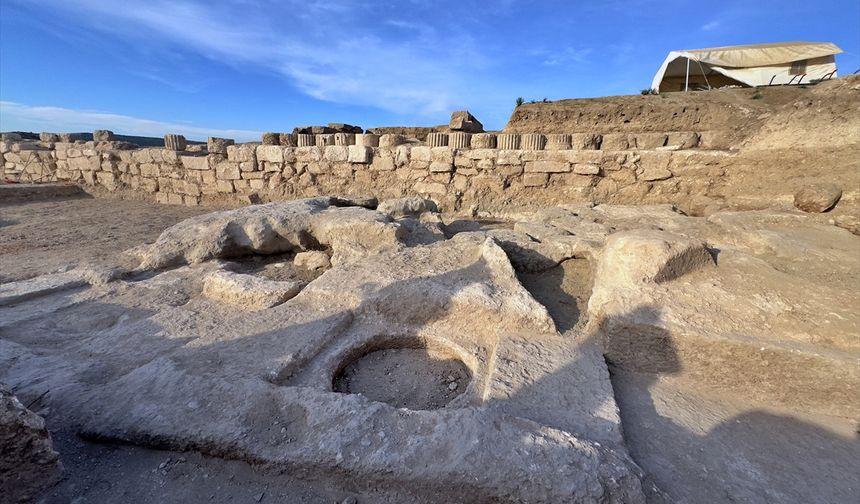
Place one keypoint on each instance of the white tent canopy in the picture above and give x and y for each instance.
(751, 65)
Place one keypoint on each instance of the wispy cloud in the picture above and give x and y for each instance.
(712, 25)
(18, 116)
(326, 49)
(566, 56)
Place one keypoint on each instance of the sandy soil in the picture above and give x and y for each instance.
(41, 237)
(412, 378)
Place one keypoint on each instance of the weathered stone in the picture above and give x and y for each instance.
(305, 140)
(407, 207)
(49, 137)
(391, 141)
(367, 140)
(459, 140)
(533, 141)
(102, 136)
(312, 260)
(69, 137)
(28, 463)
(175, 142)
(558, 142)
(535, 179)
(270, 138)
(336, 153)
(270, 153)
(360, 154)
(287, 140)
(217, 145)
(195, 162)
(437, 140)
(586, 169)
(324, 139)
(227, 170)
(248, 291)
(632, 257)
(817, 198)
(344, 139)
(465, 121)
(508, 141)
(547, 167)
(483, 141)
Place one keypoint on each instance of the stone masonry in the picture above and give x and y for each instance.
(470, 174)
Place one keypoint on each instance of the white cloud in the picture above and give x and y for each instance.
(20, 117)
(711, 25)
(327, 49)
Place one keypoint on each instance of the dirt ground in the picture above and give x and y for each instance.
(44, 236)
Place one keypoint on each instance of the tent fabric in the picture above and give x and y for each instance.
(753, 64)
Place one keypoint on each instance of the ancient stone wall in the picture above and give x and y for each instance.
(464, 173)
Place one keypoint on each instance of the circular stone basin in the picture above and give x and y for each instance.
(413, 378)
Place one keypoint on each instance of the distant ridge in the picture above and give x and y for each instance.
(137, 140)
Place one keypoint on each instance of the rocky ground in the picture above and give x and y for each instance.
(571, 354)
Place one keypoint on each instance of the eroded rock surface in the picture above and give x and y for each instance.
(524, 411)
(28, 462)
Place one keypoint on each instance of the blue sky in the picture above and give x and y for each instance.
(236, 68)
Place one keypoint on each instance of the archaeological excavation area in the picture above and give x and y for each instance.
(643, 299)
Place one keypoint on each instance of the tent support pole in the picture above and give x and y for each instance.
(687, 79)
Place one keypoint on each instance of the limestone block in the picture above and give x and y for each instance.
(305, 140)
(509, 157)
(175, 142)
(817, 198)
(312, 260)
(684, 139)
(337, 152)
(344, 139)
(324, 139)
(367, 139)
(69, 137)
(287, 140)
(558, 142)
(391, 141)
(649, 140)
(305, 154)
(383, 163)
(137, 156)
(271, 138)
(437, 139)
(463, 120)
(459, 140)
(430, 188)
(483, 141)
(421, 154)
(507, 141)
(535, 179)
(224, 186)
(441, 167)
(533, 142)
(616, 141)
(547, 167)
(217, 145)
(270, 153)
(586, 141)
(360, 154)
(227, 170)
(102, 136)
(195, 162)
(586, 169)
(257, 184)
(49, 137)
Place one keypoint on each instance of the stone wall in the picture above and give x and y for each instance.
(474, 176)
